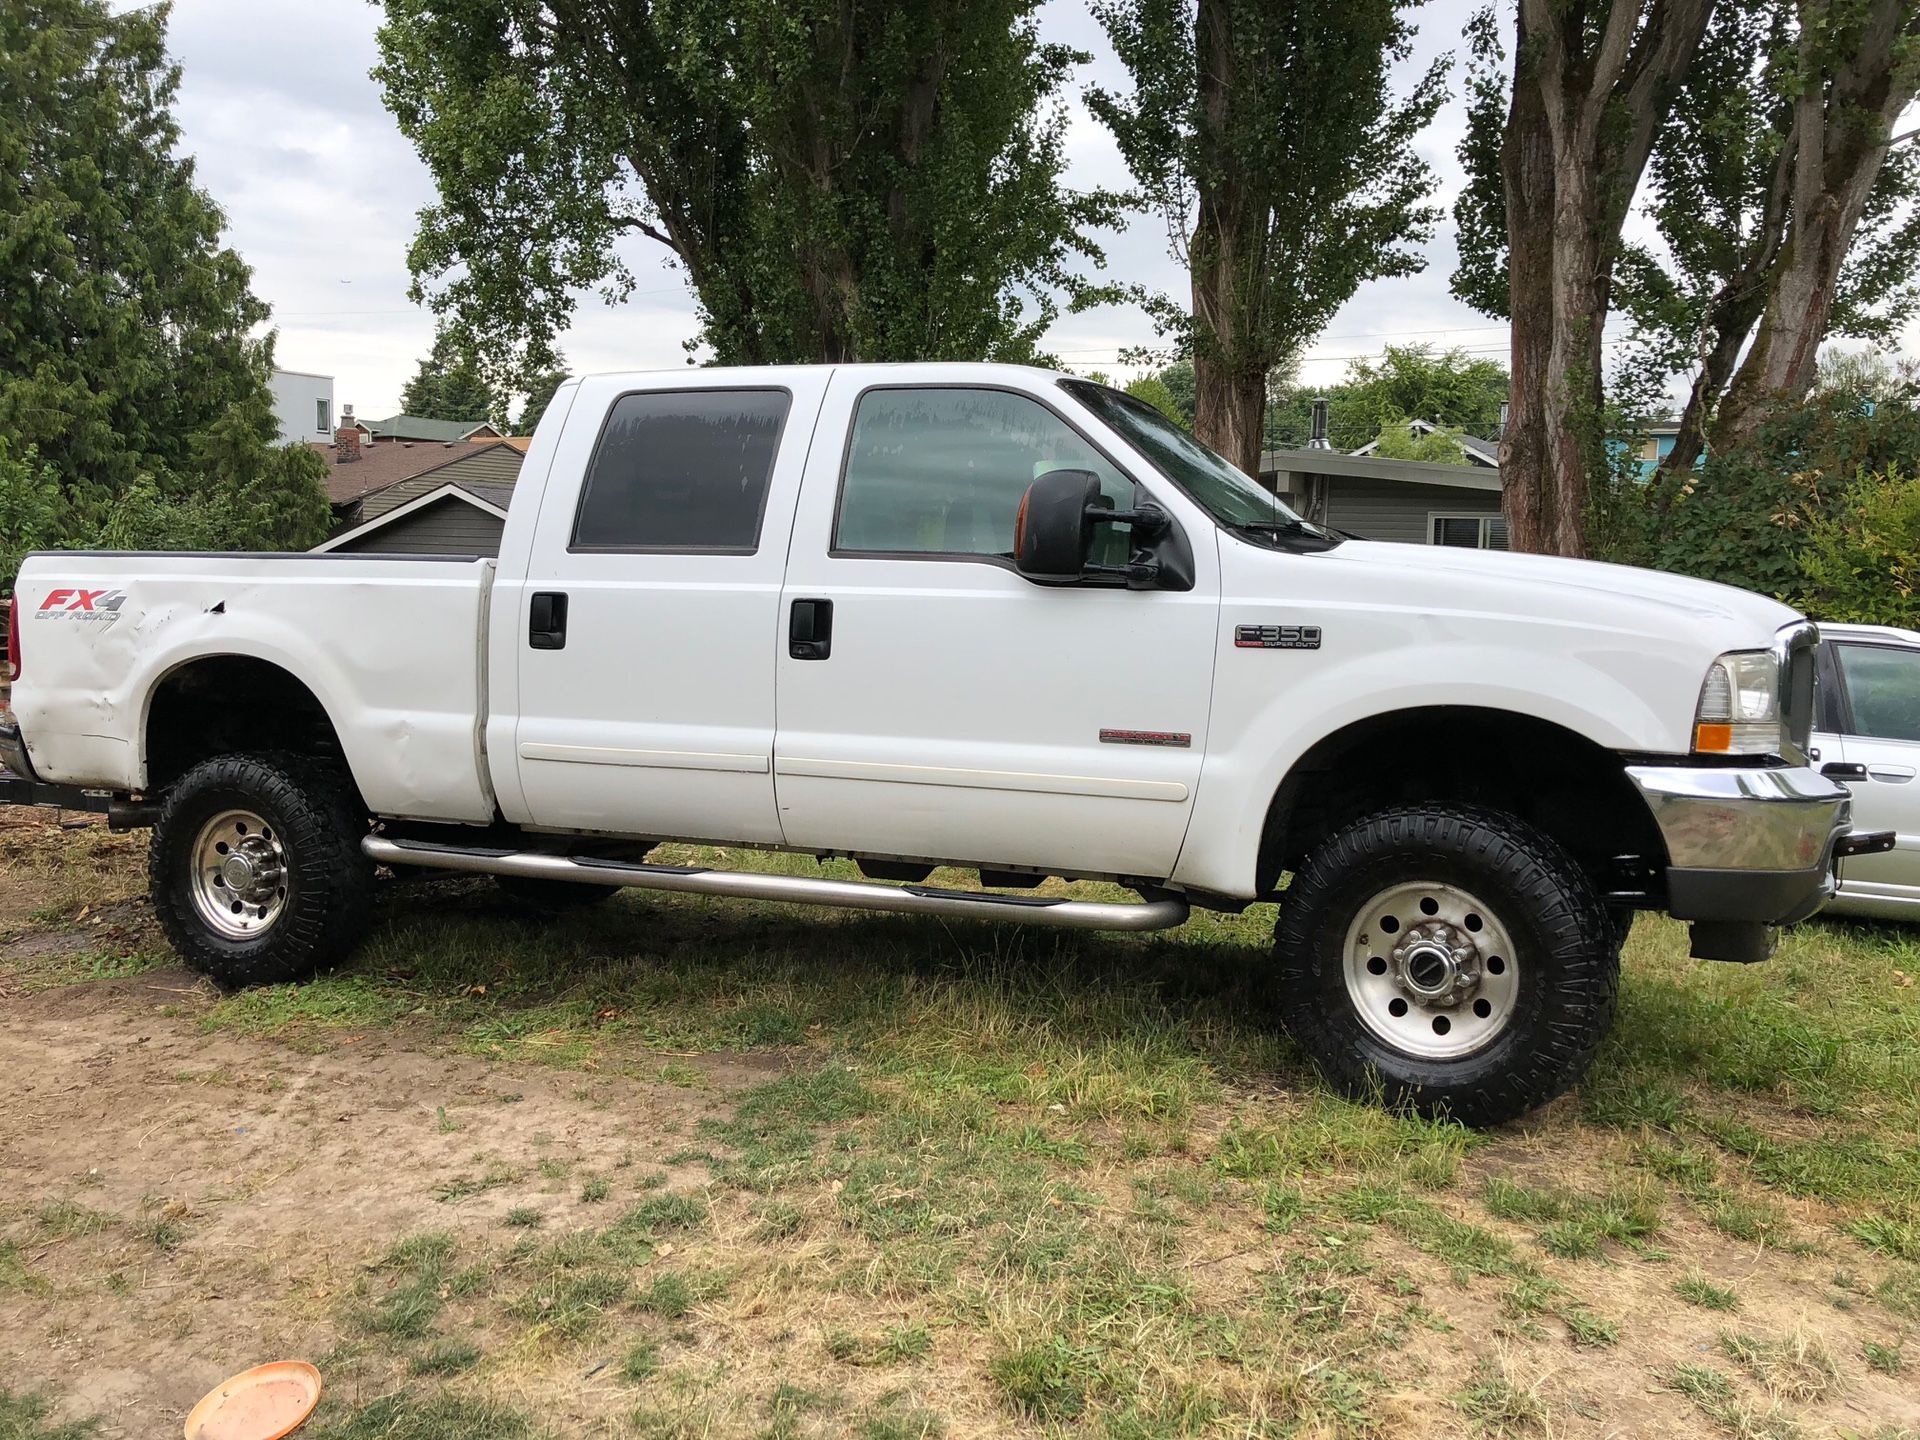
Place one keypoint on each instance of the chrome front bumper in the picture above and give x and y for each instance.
(1752, 845)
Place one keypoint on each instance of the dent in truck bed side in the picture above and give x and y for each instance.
(388, 647)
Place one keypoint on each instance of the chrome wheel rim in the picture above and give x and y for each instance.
(239, 877)
(1431, 970)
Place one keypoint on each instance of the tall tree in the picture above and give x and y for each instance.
(837, 179)
(448, 384)
(1761, 106)
(1265, 135)
(1553, 159)
(126, 329)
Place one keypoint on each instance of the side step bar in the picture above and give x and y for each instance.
(1157, 912)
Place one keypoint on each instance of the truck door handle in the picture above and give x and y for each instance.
(1892, 774)
(547, 621)
(810, 630)
(1841, 770)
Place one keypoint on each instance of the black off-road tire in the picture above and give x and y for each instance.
(552, 897)
(328, 881)
(1566, 960)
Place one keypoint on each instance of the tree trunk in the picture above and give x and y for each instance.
(1730, 318)
(1838, 143)
(1587, 103)
(1780, 365)
(1229, 233)
(1229, 411)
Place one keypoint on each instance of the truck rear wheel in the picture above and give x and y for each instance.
(255, 869)
(1452, 958)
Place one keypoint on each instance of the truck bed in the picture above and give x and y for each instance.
(390, 645)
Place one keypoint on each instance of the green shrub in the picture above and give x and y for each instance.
(1861, 562)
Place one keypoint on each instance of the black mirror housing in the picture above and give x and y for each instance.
(1053, 533)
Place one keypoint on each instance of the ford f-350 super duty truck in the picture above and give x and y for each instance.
(969, 615)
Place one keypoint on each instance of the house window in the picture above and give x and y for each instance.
(1468, 532)
(323, 415)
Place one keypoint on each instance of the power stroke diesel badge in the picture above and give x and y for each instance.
(1276, 637)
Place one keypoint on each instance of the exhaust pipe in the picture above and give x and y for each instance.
(1158, 911)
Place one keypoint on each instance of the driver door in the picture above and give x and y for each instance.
(952, 709)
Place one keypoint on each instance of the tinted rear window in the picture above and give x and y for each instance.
(685, 470)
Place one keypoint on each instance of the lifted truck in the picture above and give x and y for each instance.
(965, 615)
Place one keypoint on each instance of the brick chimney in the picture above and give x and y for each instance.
(346, 440)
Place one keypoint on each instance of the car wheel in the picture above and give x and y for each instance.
(255, 869)
(1450, 958)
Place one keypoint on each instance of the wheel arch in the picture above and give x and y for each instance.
(1566, 784)
(188, 715)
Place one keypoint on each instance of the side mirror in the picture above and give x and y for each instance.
(1053, 531)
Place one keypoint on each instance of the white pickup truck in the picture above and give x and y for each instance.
(969, 615)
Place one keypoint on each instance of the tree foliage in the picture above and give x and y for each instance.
(1860, 562)
(1264, 133)
(540, 394)
(1451, 388)
(32, 508)
(1807, 491)
(861, 179)
(1399, 439)
(127, 361)
(1775, 90)
(448, 384)
(1152, 390)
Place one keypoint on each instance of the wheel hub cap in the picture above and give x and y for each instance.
(1431, 970)
(1437, 964)
(239, 881)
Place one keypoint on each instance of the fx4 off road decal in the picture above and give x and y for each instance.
(83, 607)
(1276, 637)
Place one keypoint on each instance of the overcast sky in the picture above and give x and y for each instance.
(320, 190)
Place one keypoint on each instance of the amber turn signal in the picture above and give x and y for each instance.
(1713, 739)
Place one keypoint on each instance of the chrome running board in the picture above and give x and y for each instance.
(1158, 912)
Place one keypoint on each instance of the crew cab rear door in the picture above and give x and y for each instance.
(934, 703)
(648, 620)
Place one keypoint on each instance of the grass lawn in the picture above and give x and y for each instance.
(918, 1180)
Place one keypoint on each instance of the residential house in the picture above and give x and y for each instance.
(417, 428)
(1650, 444)
(419, 498)
(1415, 502)
(303, 405)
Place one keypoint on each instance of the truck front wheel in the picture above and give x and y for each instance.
(255, 869)
(1450, 958)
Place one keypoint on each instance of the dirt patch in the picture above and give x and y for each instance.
(188, 1204)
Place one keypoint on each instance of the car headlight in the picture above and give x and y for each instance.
(1739, 710)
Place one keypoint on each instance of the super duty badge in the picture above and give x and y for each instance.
(1277, 637)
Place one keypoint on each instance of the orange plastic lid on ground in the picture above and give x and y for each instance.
(263, 1403)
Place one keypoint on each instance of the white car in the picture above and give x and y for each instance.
(1867, 736)
(962, 615)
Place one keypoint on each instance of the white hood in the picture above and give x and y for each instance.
(1552, 580)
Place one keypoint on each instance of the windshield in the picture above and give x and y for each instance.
(1224, 491)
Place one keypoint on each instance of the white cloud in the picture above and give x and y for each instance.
(321, 190)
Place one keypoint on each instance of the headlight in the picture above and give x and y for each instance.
(1739, 710)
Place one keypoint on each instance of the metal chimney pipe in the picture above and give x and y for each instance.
(1319, 440)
